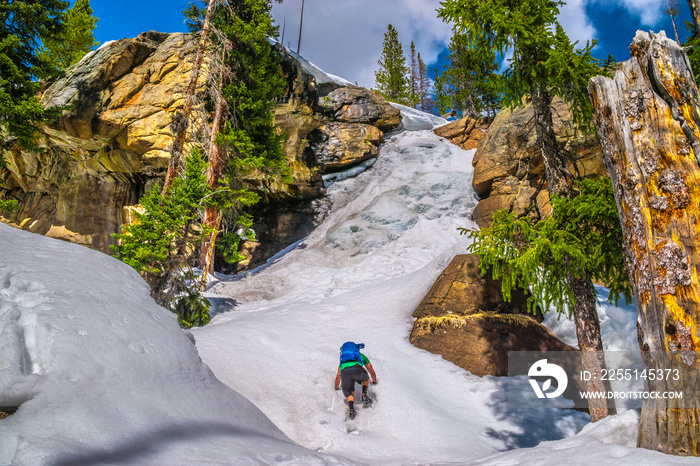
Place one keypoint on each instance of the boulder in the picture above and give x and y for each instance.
(508, 164)
(460, 290)
(465, 319)
(338, 145)
(354, 104)
(480, 342)
(465, 133)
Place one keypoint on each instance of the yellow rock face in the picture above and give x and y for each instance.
(112, 143)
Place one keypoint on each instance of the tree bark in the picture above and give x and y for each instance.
(212, 216)
(695, 11)
(217, 165)
(590, 343)
(558, 181)
(585, 313)
(176, 158)
(647, 119)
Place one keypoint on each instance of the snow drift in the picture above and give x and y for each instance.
(101, 374)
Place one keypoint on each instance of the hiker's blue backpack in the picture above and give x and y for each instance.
(350, 351)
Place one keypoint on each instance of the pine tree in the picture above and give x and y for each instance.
(244, 152)
(468, 83)
(671, 9)
(24, 24)
(531, 253)
(544, 64)
(414, 98)
(424, 87)
(159, 245)
(181, 120)
(248, 137)
(391, 78)
(77, 39)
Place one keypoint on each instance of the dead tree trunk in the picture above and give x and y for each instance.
(182, 123)
(647, 119)
(217, 165)
(301, 25)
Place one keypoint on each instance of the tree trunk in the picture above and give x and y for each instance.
(647, 119)
(176, 158)
(301, 25)
(217, 165)
(695, 11)
(590, 342)
(556, 174)
(585, 313)
(671, 13)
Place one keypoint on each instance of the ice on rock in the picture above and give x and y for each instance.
(415, 120)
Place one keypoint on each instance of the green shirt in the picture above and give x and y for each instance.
(365, 361)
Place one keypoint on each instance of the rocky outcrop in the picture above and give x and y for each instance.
(460, 290)
(109, 145)
(336, 145)
(465, 133)
(112, 142)
(509, 172)
(465, 319)
(353, 104)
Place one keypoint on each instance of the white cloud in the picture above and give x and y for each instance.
(648, 11)
(344, 37)
(576, 23)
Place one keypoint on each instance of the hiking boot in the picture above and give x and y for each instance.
(366, 400)
(352, 413)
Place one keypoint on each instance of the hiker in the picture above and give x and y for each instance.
(351, 370)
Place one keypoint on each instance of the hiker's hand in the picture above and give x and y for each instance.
(374, 382)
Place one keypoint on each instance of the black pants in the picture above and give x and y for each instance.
(349, 376)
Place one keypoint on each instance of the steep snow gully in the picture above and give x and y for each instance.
(359, 277)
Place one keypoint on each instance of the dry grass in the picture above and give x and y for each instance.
(3, 414)
(430, 324)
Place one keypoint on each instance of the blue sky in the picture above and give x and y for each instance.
(344, 37)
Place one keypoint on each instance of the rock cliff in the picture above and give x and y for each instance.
(112, 143)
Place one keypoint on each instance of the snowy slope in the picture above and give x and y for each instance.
(104, 375)
(359, 277)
